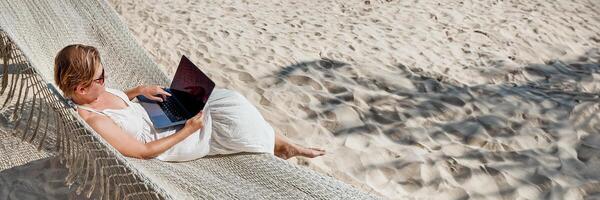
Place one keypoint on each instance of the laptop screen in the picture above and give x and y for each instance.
(190, 86)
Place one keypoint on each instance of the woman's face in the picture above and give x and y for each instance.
(96, 88)
(98, 82)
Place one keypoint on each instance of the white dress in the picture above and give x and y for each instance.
(231, 125)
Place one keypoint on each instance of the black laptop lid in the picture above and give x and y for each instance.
(190, 86)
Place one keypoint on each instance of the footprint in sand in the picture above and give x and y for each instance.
(589, 148)
(198, 54)
(264, 101)
(384, 114)
(537, 188)
(459, 172)
(346, 119)
(203, 47)
(233, 59)
(428, 86)
(243, 76)
(259, 90)
(410, 176)
(346, 96)
(312, 114)
(246, 77)
(230, 9)
(327, 119)
(301, 80)
(456, 101)
(334, 88)
(455, 194)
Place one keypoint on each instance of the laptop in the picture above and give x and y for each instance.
(189, 91)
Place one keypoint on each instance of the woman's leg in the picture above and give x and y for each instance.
(285, 149)
(235, 119)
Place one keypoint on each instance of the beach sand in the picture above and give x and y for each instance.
(38, 179)
(411, 99)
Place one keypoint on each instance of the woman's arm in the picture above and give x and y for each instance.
(131, 147)
(133, 92)
(152, 92)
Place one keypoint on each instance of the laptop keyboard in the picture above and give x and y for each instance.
(172, 110)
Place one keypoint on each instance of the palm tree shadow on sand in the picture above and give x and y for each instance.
(529, 129)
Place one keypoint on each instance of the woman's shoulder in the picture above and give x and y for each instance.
(118, 93)
(84, 113)
(89, 116)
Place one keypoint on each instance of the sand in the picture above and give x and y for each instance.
(39, 179)
(418, 99)
(411, 99)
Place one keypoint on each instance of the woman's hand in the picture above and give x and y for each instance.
(196, 122)
(154, 92)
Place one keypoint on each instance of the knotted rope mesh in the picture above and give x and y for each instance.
(38, 115)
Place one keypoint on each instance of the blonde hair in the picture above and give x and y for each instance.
(75, 65)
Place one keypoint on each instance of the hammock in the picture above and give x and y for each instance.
(31, 32)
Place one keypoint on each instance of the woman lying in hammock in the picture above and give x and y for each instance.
(228, 124)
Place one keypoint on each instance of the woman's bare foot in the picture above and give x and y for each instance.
(286, 149)
(290, 150)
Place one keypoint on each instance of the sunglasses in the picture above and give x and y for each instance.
(101, 79)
